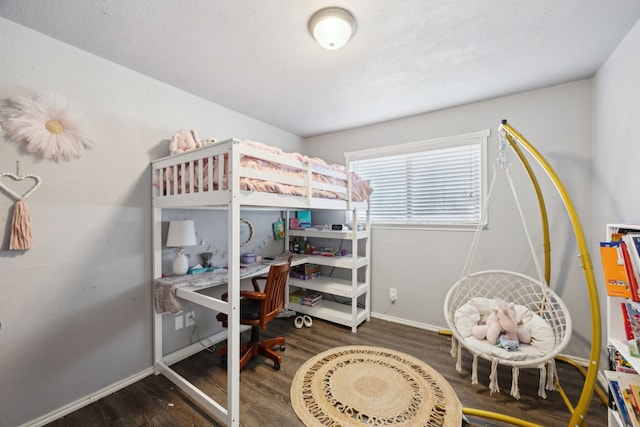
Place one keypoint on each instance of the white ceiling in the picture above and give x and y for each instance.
(407, 56)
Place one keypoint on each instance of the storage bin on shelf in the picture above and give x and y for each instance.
(305, 271)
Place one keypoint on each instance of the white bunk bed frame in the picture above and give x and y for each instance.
(182, 195)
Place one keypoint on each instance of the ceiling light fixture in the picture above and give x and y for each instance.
(332, 27)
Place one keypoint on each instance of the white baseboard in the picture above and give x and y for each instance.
(406, 322)
(82, 402)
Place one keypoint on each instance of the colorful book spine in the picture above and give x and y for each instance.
(628, 329)
(632, 241)
(634, 391)
(615, 275)
(616, 391)
(631, 273)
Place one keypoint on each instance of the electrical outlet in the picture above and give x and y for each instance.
(179, 322)
(190, 318)
(393, 294)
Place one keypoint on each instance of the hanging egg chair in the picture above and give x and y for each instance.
(538, 309)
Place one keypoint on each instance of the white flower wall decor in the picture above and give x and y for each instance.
(48, 125)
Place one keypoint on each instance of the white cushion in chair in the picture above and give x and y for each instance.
(477, 309)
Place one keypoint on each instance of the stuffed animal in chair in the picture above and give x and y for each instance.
(502, 320)
(507, 344)
(183, 140)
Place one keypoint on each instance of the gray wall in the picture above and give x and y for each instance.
(426, 262)
(616, 141)
(75, 310)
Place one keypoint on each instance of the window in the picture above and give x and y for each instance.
(435, 182)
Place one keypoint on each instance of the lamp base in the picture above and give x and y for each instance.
(180, 264)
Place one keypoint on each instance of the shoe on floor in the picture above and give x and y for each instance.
(308, 322)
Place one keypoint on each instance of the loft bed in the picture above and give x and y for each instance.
(267, 177)
(253, 175)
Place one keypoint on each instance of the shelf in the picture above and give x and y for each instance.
(332, 312)
(329, 234)
(614, 417)
(330, 285)
(338, 261)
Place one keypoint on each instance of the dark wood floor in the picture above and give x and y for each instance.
(264, 392)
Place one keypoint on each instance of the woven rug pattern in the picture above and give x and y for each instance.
(372, 386)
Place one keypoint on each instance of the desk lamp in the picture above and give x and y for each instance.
(181, 234)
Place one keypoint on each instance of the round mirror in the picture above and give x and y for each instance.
(246, 232)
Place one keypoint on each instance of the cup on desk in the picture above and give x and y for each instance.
(248, 258)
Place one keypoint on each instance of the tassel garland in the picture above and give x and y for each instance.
(493, 378)
(474, 370)
(20, 227)
(543, 379)
(515, 390)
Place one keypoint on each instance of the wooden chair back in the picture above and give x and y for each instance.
(274, 290)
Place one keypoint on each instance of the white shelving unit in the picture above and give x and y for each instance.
(349, 313)
(615, 327)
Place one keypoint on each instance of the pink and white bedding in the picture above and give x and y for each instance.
(321, 173)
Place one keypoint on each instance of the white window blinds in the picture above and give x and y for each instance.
(427, 182)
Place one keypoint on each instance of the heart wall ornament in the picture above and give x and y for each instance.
(16, 196)
(21, 238)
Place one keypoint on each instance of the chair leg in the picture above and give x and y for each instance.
(256, 347)
(265, 350)
(247, 352)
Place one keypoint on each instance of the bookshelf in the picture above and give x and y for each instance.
(616, 336)
(346, 299)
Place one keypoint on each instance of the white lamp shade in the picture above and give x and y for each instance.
(181, 233)
(332, 27)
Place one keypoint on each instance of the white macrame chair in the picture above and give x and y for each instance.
(529, 294)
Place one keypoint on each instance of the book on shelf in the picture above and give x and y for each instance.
(620, 405)
(635, 239)
(618, 236)
(632, 240)
(622, 386)
(305, 297)
(631, 319)
(634, 392)
(632, 272)
(615, 274)
(617, 362)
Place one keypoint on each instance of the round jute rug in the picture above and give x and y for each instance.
(362, 385)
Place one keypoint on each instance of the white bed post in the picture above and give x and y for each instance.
(233, 337)
(354, 268)
(156, 249)
(347, 166)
